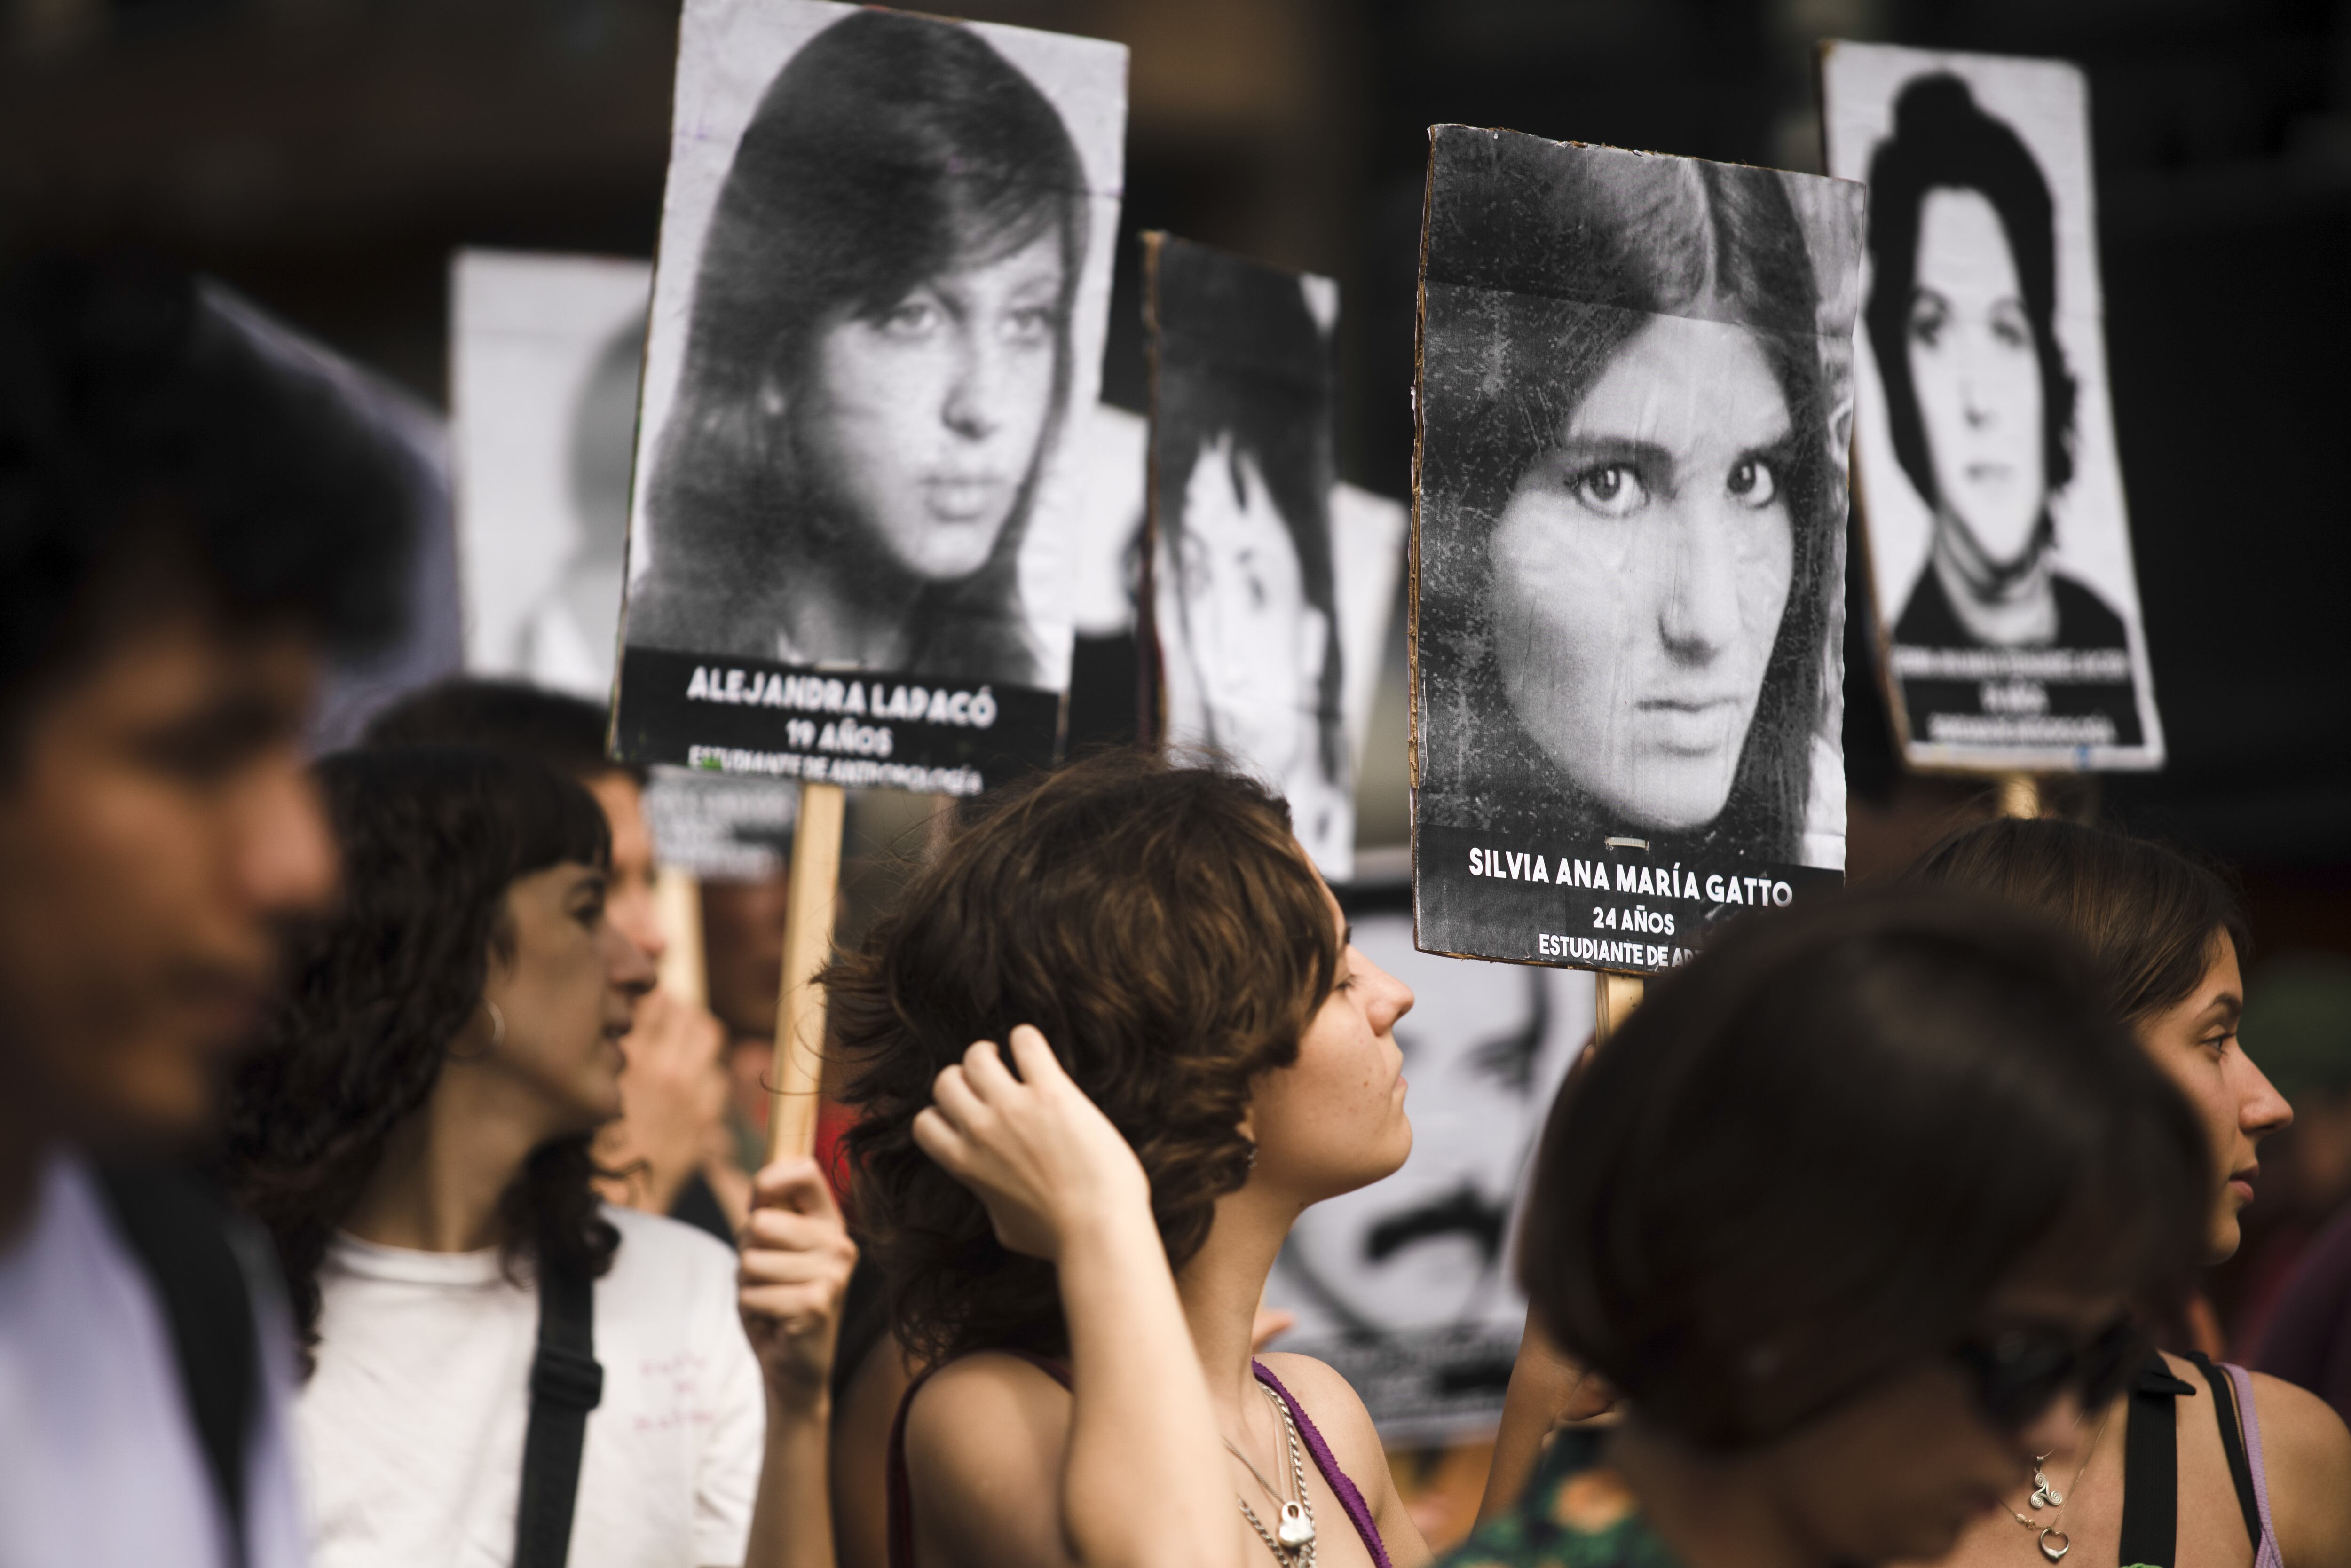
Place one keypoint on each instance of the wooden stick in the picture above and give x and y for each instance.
(677, 907)
(2020, 795)
(798, 1075)
(1614, 997)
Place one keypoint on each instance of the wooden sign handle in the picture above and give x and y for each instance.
(798, 1076)
(2020, 795)
(677, 907)
(1614, 997)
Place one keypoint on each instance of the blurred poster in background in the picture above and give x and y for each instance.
(1405, 1287)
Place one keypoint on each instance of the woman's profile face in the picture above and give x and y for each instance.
(1334, 1120)
(1254, 643)
(1976, 373)
(566, 989)
(1640, 570)
(922, 422)
(2195, 1043)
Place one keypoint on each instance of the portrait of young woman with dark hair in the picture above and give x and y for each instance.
(1076, 1231)
(1979, 401)
(1850, 1212)
(877, 366)
(415, 1132)
(1244, 597)
(2253, 1466)
(1632, 521)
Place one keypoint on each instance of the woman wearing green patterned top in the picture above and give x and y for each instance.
(1848, 1212)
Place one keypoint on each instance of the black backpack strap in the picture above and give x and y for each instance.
(2151, 1467)
(566, 1383)
(2233, 1441)
(181, 1236)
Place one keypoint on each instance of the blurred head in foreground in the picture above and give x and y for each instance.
(1850, 1209)
(186, 527)
(2166, 938)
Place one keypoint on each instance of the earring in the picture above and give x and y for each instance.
(498, 1025)
(1252, 1157)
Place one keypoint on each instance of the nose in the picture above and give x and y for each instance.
(286, 858)
(2260, 1109)
(632, 972)
(1699, 611)
(974, 402)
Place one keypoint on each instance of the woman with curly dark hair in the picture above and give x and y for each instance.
(415, 1134)
(1077, 1251)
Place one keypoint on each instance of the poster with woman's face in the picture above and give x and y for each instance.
(877, 311)
(1404, 1286)
(1628, 580)
(1243, 588)
(2000, 552)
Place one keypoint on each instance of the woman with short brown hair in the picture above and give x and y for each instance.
(1201, 1054)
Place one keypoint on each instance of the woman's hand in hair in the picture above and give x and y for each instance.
(1046, 1162)
(796, 1259)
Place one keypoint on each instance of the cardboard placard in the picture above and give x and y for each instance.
(877, 312)
(1242, 599)
(1629, 545)
(1990, 497)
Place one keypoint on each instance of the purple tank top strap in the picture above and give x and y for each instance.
(2265, 1551)
(1351, 1497)
(900, 1496)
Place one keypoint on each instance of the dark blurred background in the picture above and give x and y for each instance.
(324, 157)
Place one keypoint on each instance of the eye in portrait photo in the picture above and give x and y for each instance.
(1632, 524)
(1990, 494)
(1405, 1285)
(1244, 597)
(880, 298)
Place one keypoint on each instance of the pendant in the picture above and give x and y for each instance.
(2044, 1494)
(1297, 1527)
(2064, 1543)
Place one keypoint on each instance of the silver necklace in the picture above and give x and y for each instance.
(2046, 1496)
(1292, 1541)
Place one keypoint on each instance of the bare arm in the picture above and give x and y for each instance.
(1546, 1389)
(795, 1267)
(2307, 1454)
(1133, 1468)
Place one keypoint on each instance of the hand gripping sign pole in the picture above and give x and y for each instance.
(797, 1078)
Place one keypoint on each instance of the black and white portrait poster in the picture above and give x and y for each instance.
(1405, 1286)
(544, 356)
(878, 311)
(1243, 598)
(1990, 497)
(1628, 580)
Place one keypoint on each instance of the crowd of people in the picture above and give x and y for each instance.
(359, 1203)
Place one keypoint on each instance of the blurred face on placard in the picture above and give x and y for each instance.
(921, 423)
(1977, 374)
(1254, 643)
(1640, 570)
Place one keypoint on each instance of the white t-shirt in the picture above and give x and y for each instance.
(98, 1461)
(410, 1431)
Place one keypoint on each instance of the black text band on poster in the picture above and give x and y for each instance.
(883, 730)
